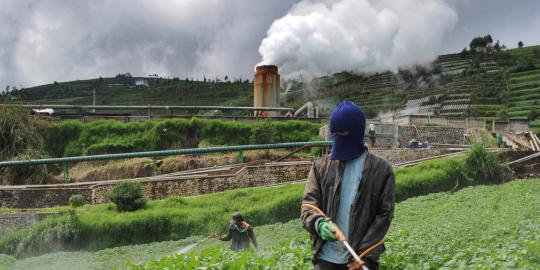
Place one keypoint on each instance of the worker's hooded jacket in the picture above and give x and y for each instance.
(240, 237)
(371, 212)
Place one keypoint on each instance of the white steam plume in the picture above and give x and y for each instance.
(319, 37)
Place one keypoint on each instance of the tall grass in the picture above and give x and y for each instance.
(71, 138)
(20, 140)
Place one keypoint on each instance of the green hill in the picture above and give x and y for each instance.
(122, 90)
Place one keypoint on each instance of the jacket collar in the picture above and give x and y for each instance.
(341, 167)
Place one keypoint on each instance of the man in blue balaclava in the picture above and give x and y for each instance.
(355, 189)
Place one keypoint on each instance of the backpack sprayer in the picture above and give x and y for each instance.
(341, 237)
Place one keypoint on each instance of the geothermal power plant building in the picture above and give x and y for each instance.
(266, 89)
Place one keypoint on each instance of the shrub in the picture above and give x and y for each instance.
(76, 201)
(483, 166)
(127, 196)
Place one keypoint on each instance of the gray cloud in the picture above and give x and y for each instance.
(44, 41)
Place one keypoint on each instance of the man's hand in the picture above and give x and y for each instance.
(355, 265)
(327, 230)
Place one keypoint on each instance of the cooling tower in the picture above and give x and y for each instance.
(266, 89)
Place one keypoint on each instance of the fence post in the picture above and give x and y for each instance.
(154, 167)
(66, 172)
(241, 157)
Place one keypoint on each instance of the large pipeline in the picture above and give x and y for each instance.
(139, 107)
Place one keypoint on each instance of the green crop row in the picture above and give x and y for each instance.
(525, 73)
(525, 78)
(525, 85)
(492, 227)
(532, 95)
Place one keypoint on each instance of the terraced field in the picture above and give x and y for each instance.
(524, 93)
(379, 94)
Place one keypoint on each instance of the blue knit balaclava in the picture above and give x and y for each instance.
(348, 125)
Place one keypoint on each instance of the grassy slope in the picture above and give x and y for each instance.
(485, 227)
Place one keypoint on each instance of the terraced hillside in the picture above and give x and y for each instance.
(524, 93)
(452, 64)
(380, 93)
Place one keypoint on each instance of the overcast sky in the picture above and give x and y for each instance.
(42, 41)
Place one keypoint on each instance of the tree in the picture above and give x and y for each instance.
(488, 39)
(463, 53)
(520, 44)
(497, 46)
(480, 43)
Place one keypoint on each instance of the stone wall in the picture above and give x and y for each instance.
(397, 156)
(250, 176)
(19, 221)
(444, 135)
(30, 197)
(96, 192)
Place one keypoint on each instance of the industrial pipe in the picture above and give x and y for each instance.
(308, 106)
(162, 153)
(139, 107)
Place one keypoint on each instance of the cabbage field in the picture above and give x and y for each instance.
(483, 227)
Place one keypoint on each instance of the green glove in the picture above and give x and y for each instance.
(327, 230)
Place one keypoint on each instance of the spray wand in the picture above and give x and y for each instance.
(341, 237)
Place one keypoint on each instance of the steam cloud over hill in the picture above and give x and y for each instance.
(318, 37)
(44, 41)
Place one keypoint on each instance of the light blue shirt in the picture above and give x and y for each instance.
(333, 251)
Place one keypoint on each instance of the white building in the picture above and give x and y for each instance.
(141, 82)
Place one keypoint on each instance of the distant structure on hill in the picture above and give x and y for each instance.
(141, 82)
